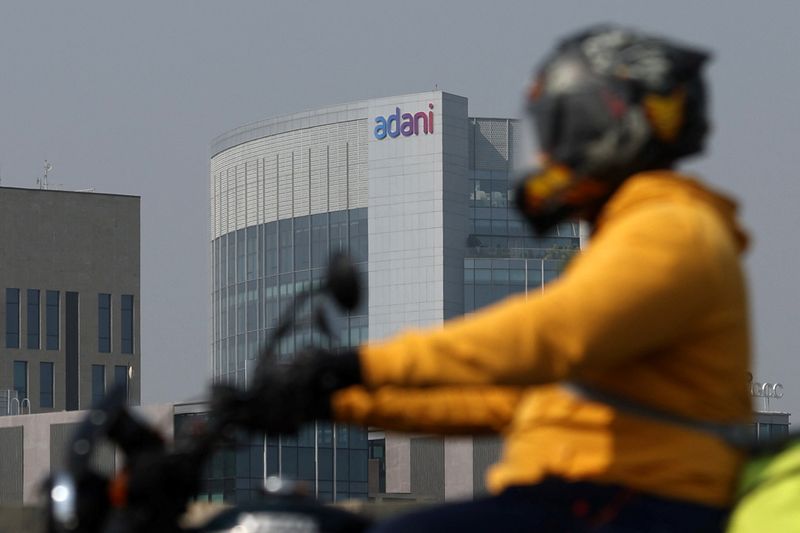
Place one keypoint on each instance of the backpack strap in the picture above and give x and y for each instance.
(739, 436)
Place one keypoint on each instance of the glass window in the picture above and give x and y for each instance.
(231, 265)
(285, 241)
(338, 231)
(231, 310)
(12, 318)
(252, 252)
(52, 319)
(302, 241)
(241, 255)
(223, 313)
(271, 248)
(217, 266)
(45, 385)
(483, 226)
(21, 379)
(271, 301)
(305, 463)
(126, 329)
(358, 465)
(779, 430)
(516, 227)
(319, 240)
(499, 193)
(33, 319)
(482, 193)
(104, 323)
(121, 377)
(98, 383)
(252, 305)
(289, 462)
(358, 234)
(241, 308)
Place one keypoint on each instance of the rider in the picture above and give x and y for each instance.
(654, 311)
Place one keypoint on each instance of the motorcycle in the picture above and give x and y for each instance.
(155, 487)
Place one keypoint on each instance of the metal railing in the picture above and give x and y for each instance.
(10, 403)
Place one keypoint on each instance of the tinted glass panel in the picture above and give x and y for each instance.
(252, 252)
(241, 250)
(319, 240)
(45, 385)
(285, 241)
(33, 319)
(104, 323)
(52, 320)
(126, 328)
(121, 377)
(21, 379)
(98, 383)
(12, 318)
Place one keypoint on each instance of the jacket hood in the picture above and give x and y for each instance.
(654, 186)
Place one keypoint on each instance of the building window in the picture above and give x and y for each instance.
(45, 385)
(12, 318)
(98, 383)
(302, 241)
(285, 244)
(52, 319)
(33, 319)
(241, 254)
(252, 252)
(358, 234)
(270, 248)
(319, 240)
(377, 453)
(126, 329)
(104, 323)
(21, 379)
(121, 378)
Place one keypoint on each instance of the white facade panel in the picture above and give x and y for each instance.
(409, 222)
(292, 173)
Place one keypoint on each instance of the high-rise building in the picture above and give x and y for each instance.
(420, 195)
(69, 284)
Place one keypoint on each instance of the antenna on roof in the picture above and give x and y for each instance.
(42, 183)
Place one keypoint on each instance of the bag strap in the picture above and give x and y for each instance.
(739, 436)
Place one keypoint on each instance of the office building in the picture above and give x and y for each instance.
(420, 195)
(69, 282)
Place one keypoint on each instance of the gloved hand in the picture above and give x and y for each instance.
(290, 395)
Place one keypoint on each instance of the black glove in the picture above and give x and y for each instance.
(290, 395)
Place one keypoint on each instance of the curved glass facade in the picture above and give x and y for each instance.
(285, 195)
(257, 272)
(259, 269)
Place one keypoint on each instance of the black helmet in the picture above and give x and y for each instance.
(609, 102)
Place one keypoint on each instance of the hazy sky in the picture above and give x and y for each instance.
(126, 96)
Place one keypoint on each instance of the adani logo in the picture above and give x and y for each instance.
(404, 124)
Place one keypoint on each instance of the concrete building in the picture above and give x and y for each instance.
(34, 446)
(69, 281)
(419, 193)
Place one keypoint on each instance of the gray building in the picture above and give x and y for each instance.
(69, 282)
(419, 193)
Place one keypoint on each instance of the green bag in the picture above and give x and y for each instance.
(768, 496)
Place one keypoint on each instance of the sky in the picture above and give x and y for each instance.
(125, 97)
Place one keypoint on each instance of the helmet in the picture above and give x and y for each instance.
(608, 103)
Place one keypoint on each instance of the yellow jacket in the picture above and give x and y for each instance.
(655, 311)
